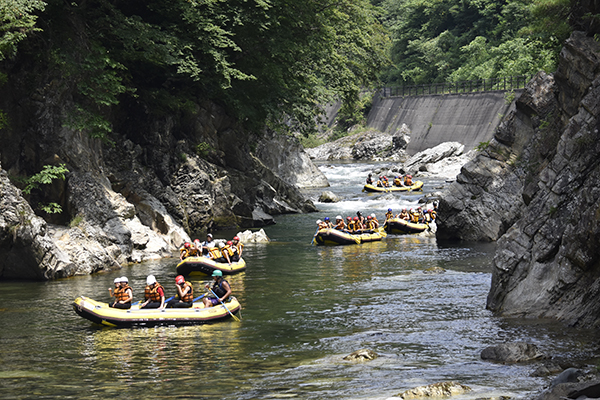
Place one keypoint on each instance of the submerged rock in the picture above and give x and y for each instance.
(440, 389)
(361, 355)
(512, 353)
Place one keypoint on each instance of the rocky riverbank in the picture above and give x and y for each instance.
(141, 193)
(534, 189)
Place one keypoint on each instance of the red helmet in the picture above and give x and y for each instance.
(186, 245)
(179, 279)
(196, 240)
(356, 218)
(236, 238)
(229, 243)
(349, 218)
(369, 217)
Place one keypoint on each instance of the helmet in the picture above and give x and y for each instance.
(369, 217)
(326, 218)
(229, 242)
(186, 245)
(236, 238)
(373, 215)
(389, 209)
(404, 209)
(319, 221)
(124, 279)
(209, 235)
(196, 240)
(349, 218)
(216, 272)
(221, 245)
(150, 280)
(339, 217)
(179, 279)
(117, 280)
(356, 218)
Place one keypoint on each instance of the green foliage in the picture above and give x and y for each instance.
(509, 97)
(354, 111)
(473, 39)
(51, 208)
(482, 146)
(45, 177)
(202, 149)
(16, 22)
(75, 221)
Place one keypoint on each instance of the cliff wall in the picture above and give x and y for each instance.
(535, 190)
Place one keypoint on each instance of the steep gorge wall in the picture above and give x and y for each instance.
(535, 189)
(465, 118)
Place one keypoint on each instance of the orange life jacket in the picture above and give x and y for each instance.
(189, 296)
(121, 294)
(152, 293)
(215, 252)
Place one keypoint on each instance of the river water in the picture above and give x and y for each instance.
(304, 309)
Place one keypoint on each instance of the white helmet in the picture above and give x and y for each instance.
(150, 280)
(339, 217)
(373, 215)
(319, 221)
(117, 280)
(124, 279)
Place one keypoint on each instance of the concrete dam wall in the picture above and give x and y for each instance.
(465, 118)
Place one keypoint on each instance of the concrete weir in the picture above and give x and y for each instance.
(466, 118)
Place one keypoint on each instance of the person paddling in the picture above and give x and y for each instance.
(220, 288)
(185, 292)
(123, 294)
(154, 294)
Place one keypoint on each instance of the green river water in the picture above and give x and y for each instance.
(304, 309)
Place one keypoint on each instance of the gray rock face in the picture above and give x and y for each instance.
(536, 189)
(27, 249)
(368, 145)
(164, 177)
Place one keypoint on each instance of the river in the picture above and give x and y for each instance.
(304, 309)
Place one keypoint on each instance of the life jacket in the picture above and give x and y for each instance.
(341, 226)
(121, 295)
(185, 252)
(389, 215)
(152, 293)
(240, 247)
(371, 224)
(218, 288)
(189, 296)
(414, 217)
(408, 182)
(215, 252)
(397, 182)
(379, 184)
(352, 226)
(228, 249)
(404, 215)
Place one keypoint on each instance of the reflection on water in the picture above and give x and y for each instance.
(304, 308)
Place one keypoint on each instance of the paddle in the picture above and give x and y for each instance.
(314, 236)
(234, 317)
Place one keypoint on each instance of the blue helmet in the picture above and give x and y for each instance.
(389, 209)
(326, 218)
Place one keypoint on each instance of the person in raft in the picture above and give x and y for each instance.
(154, 294)
(185, 294)
(123, 294)
(185, 251)
(220, 288)
(238, 244)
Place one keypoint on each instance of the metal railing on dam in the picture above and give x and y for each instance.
(505, 84)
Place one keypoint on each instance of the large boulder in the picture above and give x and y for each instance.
(511, 353)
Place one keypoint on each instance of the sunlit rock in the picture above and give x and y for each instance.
(440, 389)
(361, 355)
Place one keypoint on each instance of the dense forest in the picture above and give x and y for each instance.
(274, 62)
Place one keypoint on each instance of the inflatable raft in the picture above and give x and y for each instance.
(334, 237)
(397, 225)
(418, 185)
(101, 313)
(206, 266)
